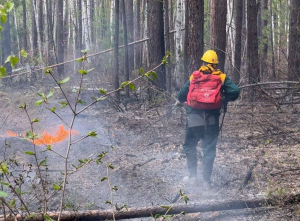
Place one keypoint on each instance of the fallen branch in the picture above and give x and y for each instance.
(176, 209)
(267, 83)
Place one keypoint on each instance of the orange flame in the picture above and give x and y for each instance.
(60, 135)
(46, 138)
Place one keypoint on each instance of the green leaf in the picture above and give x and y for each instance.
(153, 74)
(108, 202)
(132, 86)
(142, 71)
(64, 81)
(74, 90)
(92, 134)
(3, 169)
(29, 152)
(3, 18)
(104, 178)
(50, 93)
(35, 120)
(111, 166)
(80, 59)
(83, 72)
(43, 163)
(49, 147)
(13, 202)
(8, 59)
(56, 187)
(124, 84)
(4, 183)
(89, 70)
(48, 71)
(18, 190)
(9, 6)
(63, 104)
(103, 91)
(23, 53)
(48, 218)
(14, 60)
(39, 102)
(3, 194)
(81, 102)
(0, 28)
(53, 109)
(2, 72)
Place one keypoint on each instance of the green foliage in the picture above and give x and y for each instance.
(64, 81)
(13, 60)
(3, 194)
(2, 71)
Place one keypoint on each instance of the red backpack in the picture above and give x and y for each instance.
(205, 91)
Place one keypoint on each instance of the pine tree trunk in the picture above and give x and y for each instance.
(34, 34)
(167, 44)
(196, 33)
(252, 46)
(186, 42)
(156, 38)
(116, 50)
(238, 40)
(126, 62)
(138, 48)
(294, 40)
(219, 30)
(60, 35)
(25, 42)
(130, 33)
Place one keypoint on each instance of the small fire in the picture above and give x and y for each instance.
(46, 138)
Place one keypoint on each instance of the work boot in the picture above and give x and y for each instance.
(207, 167)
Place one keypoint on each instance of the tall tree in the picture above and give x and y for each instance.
(196, 33)
(156, 38)
(264, 37)
(219, 15)
(178, 39)
(137, 47)
(186, 41)
(60, 35)
(252, 45)
(294, 41)
(41, 20)
(130, 33)
(116, 50)
(238, 5)
(126, 62)
(25, 42)
(34, 33)
(167, 44)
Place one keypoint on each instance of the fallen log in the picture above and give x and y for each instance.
(176, 209)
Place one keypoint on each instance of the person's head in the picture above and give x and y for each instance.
(210, 57)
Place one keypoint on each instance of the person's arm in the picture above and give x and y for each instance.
(182, 95)
(231, 90)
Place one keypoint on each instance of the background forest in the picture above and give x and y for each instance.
(142, 52)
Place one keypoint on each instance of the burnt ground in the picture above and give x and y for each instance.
(144, 146)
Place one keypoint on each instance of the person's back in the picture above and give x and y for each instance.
(203, 118)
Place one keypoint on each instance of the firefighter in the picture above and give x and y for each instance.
(204, 124)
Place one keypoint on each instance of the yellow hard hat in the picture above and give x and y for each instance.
(210, 57)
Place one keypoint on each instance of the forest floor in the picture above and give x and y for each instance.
(145, 147)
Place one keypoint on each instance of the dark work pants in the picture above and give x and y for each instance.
(209, 137)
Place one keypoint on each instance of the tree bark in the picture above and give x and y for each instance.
(186, 42)
(167, 44)
(6, 45)
(138, 48)
(294, 39)
(252, 45)
(116, 51)
(196, 33)
(238, 40)
(25, 42)
(34, 34)
(130, 33)
(60, 35)
(219, 30)
(126, 62)
(156, 38)
(178, 76)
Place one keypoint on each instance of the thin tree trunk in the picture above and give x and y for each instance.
(272, 41)
(130, 33)
(167, 44)
(25, 42)
(196, 33)
(60, 35)
(116, 51)
(126, 62)
(238, 40)
(6, 45)
(186, 41)
(178, 39)
(34, 33)
(138, 59)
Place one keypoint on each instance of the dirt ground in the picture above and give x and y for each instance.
(145, 147)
